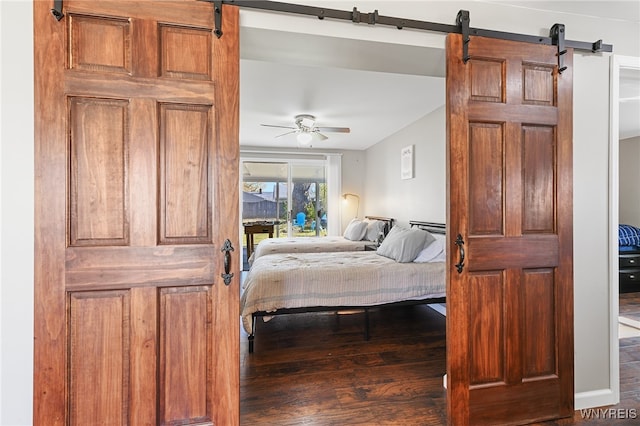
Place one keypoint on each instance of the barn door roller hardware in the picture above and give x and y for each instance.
(556, 37)
(56, 11)
(463, 22)
(217, 17)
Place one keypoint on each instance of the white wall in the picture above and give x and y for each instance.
(16, 269)
(629, 181)
(591, 222)
(423, 197)
(353, 177)
(591, 106)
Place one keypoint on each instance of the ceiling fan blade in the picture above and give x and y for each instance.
(320, 136)
(279, 127)
(333, 129)
(286, 133)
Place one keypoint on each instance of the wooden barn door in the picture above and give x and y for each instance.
(136, 139)
(510, 309)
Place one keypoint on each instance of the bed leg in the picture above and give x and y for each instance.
(251, 337)
(253, 333)
(366, 324)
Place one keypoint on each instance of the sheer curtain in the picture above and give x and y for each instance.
(334, 185)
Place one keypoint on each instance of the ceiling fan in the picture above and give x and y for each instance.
(305, 129)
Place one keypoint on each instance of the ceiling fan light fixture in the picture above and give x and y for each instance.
(305, 121)
(305, 129)
(304, 138)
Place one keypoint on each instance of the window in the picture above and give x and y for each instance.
(293, 195)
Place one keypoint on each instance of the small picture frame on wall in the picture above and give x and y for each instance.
(406, 162)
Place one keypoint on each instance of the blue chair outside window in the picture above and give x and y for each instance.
(300, 220)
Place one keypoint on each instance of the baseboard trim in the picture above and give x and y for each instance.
(596, 398)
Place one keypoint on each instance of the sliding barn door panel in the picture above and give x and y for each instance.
(510, 307)
(138, 157)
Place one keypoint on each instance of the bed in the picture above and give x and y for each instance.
(289, 283)
(354, 239)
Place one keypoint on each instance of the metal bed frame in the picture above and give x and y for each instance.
(433, 227)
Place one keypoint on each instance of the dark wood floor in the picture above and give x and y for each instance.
(316, 369)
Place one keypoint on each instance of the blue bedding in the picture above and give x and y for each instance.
(628, 235)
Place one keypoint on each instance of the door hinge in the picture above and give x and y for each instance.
(462, 20)
(57, 10)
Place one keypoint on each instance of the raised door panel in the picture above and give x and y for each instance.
(487, 330)
(487, 80)
(186, 358)
(99, 43)
(99, 386)
(185, 147)
(508, 121)
(539, 325)
(185, 52)
(539, 179)
(98, 205)
(486, 196)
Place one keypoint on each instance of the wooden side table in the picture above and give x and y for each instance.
(250, 229)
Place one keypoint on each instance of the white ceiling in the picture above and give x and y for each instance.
(374, 88)
(373, 105)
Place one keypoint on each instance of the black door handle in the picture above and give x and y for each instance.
(227, 248)
(460, 243)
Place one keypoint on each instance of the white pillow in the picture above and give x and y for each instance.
(374, 228)
(433, 252)
(404, 244)
(356, 230)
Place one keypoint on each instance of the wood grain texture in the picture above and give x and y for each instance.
(317, 369)
(507, 128)
(99, 43)
(144, 347)
(49, 386)
(99, 170)
(134, 324)
(186, 360)
(458, 222)
(99, 385)
(486, 195)
(185, 52)
(226, 58)
(186, 133)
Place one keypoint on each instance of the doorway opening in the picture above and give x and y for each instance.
(408, 63)
(625, 76)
